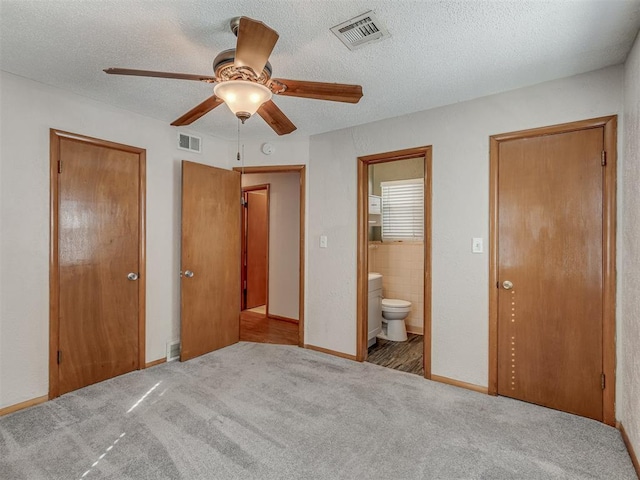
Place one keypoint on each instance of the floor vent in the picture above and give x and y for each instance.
(189, 142)
(360, 31)
(173, 351)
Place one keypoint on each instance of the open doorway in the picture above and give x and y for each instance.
(273, 302)
(255, 248)
(394, 260)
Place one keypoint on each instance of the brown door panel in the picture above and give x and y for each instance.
(550, 197)
(210, 305)
(98, 245)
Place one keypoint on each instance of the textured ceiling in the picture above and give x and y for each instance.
(440, 52)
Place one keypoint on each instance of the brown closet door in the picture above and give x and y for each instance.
(550, 214)
(98, 246)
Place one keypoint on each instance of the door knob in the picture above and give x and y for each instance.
(507, 285)
(188, 274)
(132, 276)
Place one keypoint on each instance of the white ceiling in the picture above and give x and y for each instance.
(440, 52)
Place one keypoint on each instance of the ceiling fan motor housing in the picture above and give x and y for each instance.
(234, 24)
(224, 69)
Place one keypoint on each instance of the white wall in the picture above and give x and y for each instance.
(629, 269)
(330, 319)
(27, 111)
(284, 239)
(460, 137)
(288, 150)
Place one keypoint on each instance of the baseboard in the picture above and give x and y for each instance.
(155, 362)
(415, 329)
(23, 405)
(330, 352)
(627, 443)
(458, 383)
(283, 319)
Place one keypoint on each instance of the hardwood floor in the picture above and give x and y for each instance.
(262, 309)
(256, 327)
(404, 356)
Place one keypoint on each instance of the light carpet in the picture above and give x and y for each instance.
(258, 411)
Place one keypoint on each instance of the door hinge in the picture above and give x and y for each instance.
(603, 161)
(59, 356)
(59, 166)
(602, 380)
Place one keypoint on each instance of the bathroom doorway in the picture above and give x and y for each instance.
(394, 260)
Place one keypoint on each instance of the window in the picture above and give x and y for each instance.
(403, 209)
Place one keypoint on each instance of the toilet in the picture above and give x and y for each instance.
(393, 314)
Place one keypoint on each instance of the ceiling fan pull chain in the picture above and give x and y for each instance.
(240, 158)
(238, 147)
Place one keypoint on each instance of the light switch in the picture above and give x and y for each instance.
(476, 246)
(323, 241)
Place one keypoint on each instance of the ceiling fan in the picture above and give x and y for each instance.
(243, 80)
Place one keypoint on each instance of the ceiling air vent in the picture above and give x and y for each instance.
(360, 31)
(189, 142)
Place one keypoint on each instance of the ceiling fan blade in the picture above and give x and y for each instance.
(336, 92)
(254, 45)
(277, 120)
(198, 111)
(149, 73)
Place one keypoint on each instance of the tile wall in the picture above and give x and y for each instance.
(402, 269)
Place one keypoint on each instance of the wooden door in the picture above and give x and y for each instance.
(257, 247)
(99, 246)
(210, 305)
(550, 248)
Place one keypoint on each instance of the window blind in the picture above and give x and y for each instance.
(403, 209)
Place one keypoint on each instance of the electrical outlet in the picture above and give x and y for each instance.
(323, 241)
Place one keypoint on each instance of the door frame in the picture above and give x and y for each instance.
(301, 170)
(54, 268)
(609, 124)
(264, 186)
(363, 250)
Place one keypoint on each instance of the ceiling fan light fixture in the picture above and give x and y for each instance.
(243, 98)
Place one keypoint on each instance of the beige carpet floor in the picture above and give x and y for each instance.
(259, 411)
